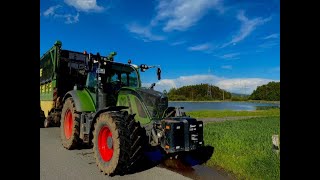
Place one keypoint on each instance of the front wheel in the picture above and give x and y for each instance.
(117, 142)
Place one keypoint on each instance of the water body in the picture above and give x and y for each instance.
(237, 106)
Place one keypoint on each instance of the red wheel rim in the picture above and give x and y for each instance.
(68, 124)
(105, 143)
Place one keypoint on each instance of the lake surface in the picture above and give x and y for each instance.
(237, 106)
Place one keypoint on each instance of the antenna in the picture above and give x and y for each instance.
(222, 94)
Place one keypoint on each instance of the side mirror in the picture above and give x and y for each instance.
(159, 73)
(143, 67)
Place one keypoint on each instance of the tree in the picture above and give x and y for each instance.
(268, 92)
(197, 93)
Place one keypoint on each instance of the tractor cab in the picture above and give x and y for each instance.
(105, 78)
(113, 78)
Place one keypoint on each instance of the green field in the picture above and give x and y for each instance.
(230, 113)
(244, 147)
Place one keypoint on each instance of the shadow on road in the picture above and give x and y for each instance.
(182, 165)
(191, 165)
(151, 158)
(198, 157)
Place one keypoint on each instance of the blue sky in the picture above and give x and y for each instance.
(233, 44)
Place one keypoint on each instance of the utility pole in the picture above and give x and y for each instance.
(209, 88)
(209, 91)
(192, 94)
(245, 87)
(223, 94)
(240, 87)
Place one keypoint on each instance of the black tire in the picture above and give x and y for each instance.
(70, 139)
(42, 118)
(46, 123)
(127, 142)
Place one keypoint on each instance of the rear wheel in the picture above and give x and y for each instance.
(69, 127)
(117, 142)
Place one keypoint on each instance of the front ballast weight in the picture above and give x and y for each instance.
(181, 134)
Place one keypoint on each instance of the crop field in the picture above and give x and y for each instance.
(244, 147)
(230, 113)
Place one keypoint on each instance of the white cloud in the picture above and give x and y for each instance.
(144, 33)
(182, 14)
(268, 44)
(84, 5)
(247, 27)
(235, 85)
(200, 47)
(51, 10)
(272, 36)
(167, 84)
(226, 67)
(242, 85)
(69, 18)
(230, 56)
(178, 43)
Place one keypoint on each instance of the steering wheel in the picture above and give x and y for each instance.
(116, 86)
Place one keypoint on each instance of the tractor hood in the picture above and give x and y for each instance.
(154, 103)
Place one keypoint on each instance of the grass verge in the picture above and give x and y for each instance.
(230, 113)
(244, 147)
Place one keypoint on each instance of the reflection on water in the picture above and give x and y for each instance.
(237, 106)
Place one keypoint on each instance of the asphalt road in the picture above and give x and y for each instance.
(58, 163)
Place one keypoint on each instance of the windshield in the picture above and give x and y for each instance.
(155, 102)
(119, 74)
(125, 75)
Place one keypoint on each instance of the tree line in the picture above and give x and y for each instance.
(199, 92)
(268, 92)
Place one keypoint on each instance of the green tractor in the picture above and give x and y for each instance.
(109, 109)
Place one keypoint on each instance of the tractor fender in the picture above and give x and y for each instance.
(110, 108)
(97, 114)
(82, 99)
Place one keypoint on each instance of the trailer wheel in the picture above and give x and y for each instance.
(117, 142)
(42, 118)
(69, 127)
(46, 123)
